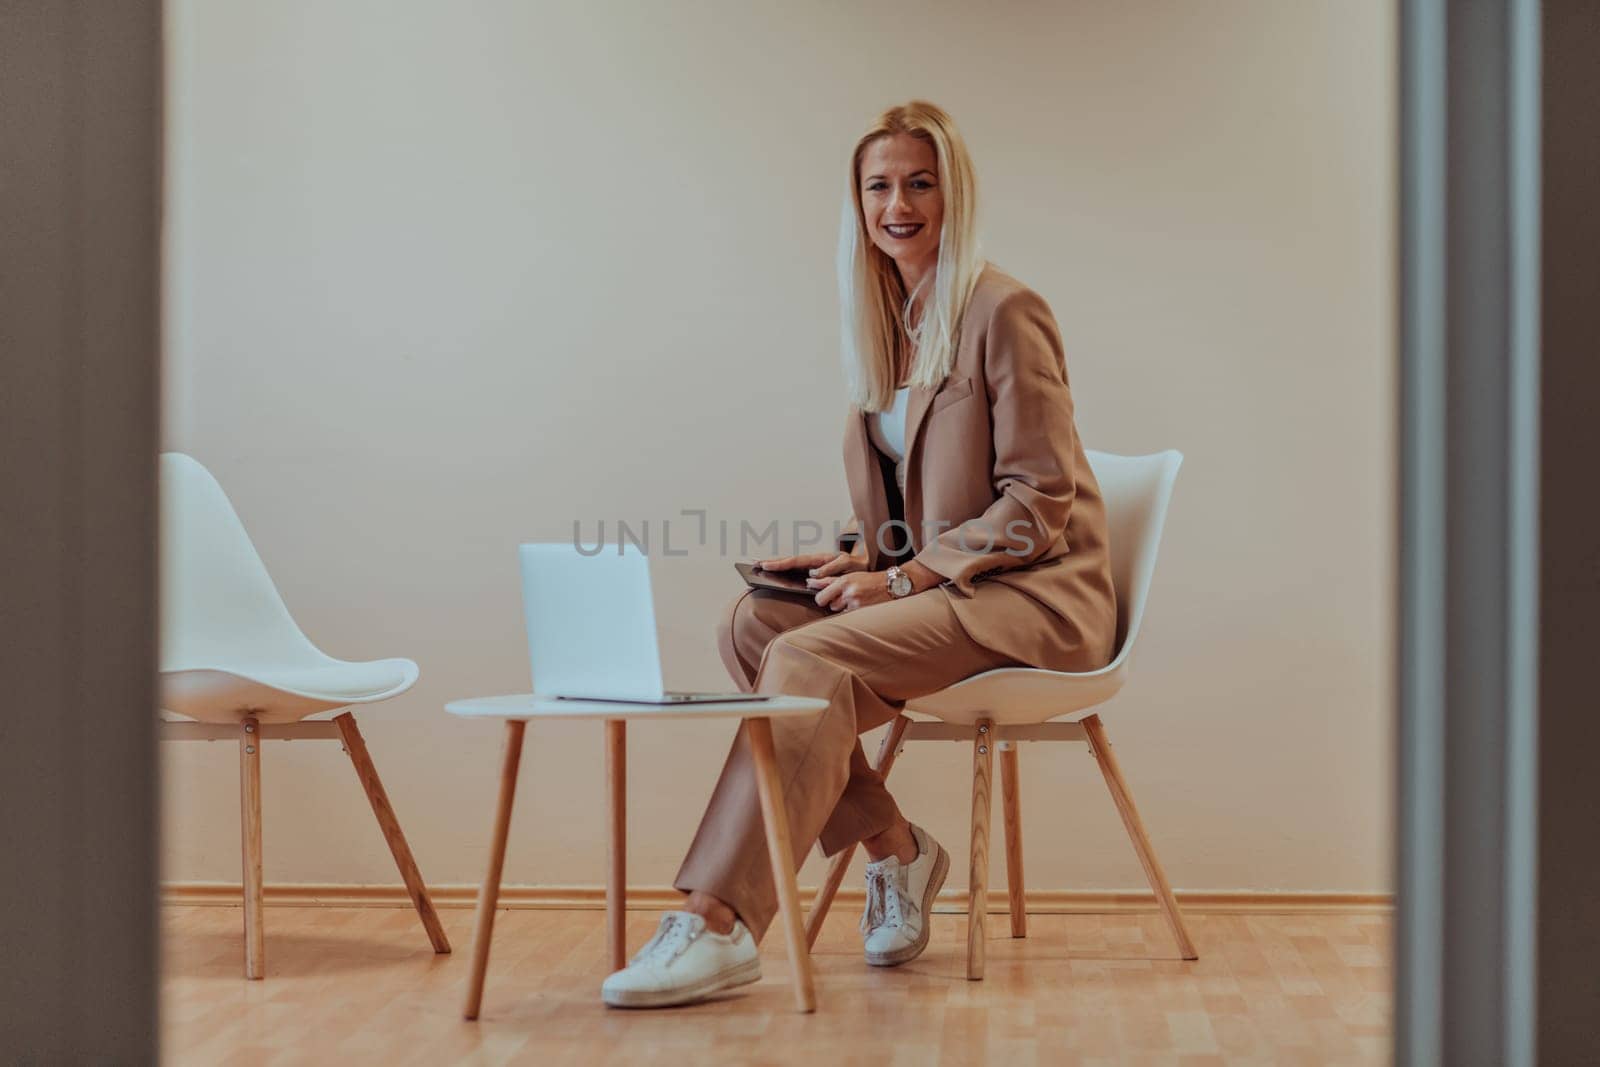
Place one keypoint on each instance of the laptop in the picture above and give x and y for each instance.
(592, 627)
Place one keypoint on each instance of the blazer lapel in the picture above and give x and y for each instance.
(916, 409)
(865, 476)
(865, 481)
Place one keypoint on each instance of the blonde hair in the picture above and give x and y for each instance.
(873, 302)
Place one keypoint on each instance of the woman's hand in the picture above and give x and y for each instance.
(816, 564)
(860, 588)
(846, 592)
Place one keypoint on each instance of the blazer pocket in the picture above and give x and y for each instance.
(959, 389)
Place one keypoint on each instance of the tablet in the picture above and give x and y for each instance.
(778, 581)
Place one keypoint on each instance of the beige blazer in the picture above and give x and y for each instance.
(999, 498)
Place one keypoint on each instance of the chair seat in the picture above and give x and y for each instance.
(1014, 696)
(276, 693)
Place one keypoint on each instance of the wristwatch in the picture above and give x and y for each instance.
(899, 583)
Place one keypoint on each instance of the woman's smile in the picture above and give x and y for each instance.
(901, 231)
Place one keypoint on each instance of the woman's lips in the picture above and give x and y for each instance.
(903, 231)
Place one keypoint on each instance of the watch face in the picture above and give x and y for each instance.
(900, 583)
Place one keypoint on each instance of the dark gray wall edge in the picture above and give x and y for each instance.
(1569, 624)
(80, 158)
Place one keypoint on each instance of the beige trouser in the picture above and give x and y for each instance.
(866, 663)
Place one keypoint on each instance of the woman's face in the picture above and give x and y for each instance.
(901, 201)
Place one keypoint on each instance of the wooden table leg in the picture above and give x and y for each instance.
(781, 853)
(617, 842)
(250, 836)
(489, 895)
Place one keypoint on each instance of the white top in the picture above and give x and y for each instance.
(887, 429)
(532, 706)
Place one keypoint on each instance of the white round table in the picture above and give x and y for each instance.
(517, 710)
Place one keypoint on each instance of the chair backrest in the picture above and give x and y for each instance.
(218, 604)
(1137, 490)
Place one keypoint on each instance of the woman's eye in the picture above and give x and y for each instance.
(877, 187)
(922, 183)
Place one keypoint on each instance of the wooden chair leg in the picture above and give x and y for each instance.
(978, 873)
(1011, 813)
(250, 835)
(887, 750)
(837, 868)
(617, 843)
(389, 823)
(1106, 758)
(781, 853)
(489, 895)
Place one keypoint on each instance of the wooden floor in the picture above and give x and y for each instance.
(361, 985)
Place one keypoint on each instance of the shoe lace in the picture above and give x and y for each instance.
(887, 902)
(675, 934)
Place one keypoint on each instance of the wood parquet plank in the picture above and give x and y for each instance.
(353, 985)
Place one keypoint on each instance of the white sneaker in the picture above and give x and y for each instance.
(895, 925)
(684, 962)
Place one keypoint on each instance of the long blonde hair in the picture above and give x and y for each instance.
(874, 305)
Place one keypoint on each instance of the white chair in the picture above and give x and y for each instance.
(234, 663)
(998, 708)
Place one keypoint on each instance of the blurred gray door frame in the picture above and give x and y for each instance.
(1499, 896)
(80, 202)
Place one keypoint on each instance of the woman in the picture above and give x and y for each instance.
(983, 545)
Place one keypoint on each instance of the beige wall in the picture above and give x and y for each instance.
(444, 277)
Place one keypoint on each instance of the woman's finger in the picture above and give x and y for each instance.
(845, 596)
(793, 563)
(837, 565)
